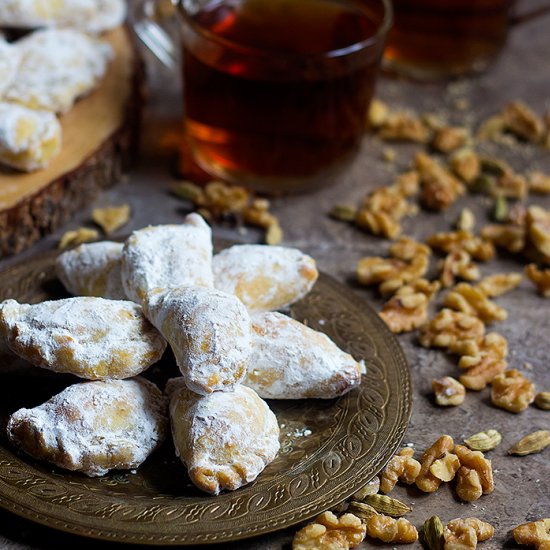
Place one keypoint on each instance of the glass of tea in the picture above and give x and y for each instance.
(433, 39)
(276, 91)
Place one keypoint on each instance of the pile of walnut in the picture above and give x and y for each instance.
(468, 306)
(378, 516)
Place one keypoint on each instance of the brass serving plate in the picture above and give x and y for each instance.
(328, 448)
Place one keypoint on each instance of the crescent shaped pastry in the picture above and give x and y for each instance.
(94, 427)
(92, 270)
(167, 256)
(264, 278)
(89, 337)
(209, 333)
(292, 361)
(225, 439)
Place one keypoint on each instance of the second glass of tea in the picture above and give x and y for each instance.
(276, 91)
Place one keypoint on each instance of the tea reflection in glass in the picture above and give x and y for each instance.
(432, 38)
(276, 91)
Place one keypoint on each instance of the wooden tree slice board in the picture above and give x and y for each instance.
(99, 135)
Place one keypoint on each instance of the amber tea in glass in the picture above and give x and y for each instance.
(442, 38)
(276, 91)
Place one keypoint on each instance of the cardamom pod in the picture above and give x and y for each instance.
(542, 400)
(386, 505)
(433, 533)
(484, 441)
(500, 209)
(343, 212)
(483, 184)
(532, 443)
(361, 510)
(187, 191)
(371, 488)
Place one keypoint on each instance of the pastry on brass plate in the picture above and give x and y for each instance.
(209, 333)
(264, 278)
(57, 67)
(92, 270)
(29, 138)
(88, 15)
(167, 256)
(94, 427)
(89, 337)
(225, 439)
(292, 361)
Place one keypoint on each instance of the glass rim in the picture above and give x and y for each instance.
(385, 25)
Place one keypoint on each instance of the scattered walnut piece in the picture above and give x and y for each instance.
(457, 264)
(388, 529)
(540, 278)
(475, 460)
(111, 218)
(78, 236)
(408, 249)
(478, 377)
(517, 214)
(499, 284)
(448, 391)
(537, 222)
(510, 237)
(257, 214)
(402, 467)
(534, 533)
(402, 126)
(491, 128)
(468, 484)
(453, 330)
(408, 183)
(466, 220)
(445, 468)
(273, 234)
(521, 120)
(465, 164)
(425, 480)
(378, 113)
(542, 400)
(448, 138)
(510, 185)
(463, 534)
(330, 532)
(472, 301)
(512, 391)
(539, 183)
(440, 188)
(408, 308)
(478, 247)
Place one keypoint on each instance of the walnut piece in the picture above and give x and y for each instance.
(468, 484)
(475, 460)
(539, 183)
(408, 183)
(510, 185)
(478, 247)
(448, 391)
(111, 218)
(331, 533)
(521, 120)
(402, 467)
(499, 284)
(447, 139)
(78, 236)
(408, 308)
(445, 468)
(462, 534)
(457, 264)
(466, 220)
(378, 113)
(402, 126)
(453, 330)
(534, 533)
(510, 237)
(425, 480)
(472, 301)
(388, 529)
(540, 278)
(465, 164)
(512, 391)
(537, 223)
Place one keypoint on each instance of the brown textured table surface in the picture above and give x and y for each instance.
(522, 485)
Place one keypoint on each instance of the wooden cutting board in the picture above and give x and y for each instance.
(100, 135)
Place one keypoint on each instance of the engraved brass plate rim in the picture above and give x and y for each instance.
(370, 423)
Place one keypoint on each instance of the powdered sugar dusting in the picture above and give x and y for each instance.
(225, 439)
(209, 332)
(292, 361)
(94, 427)
(9, 62)
(264, 277)
(93, 270)
(167, 256)
(88, 337)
